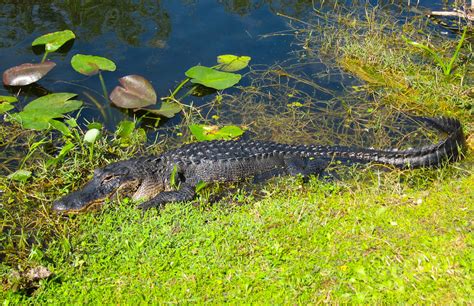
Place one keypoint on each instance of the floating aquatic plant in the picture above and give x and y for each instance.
(91, 65)
(29, 73)
(42, 113)
(212, 132)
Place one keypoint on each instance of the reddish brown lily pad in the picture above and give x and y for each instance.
(26, 74)
(135, 92)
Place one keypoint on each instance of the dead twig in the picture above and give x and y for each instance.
(469, 15)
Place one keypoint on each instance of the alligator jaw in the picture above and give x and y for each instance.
(92, 195)
(82, 199)
(61, 206)
(76, 202)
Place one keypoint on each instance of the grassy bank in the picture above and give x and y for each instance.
(389, 237)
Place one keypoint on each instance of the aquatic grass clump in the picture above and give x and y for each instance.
(446, 65)
(373, 50)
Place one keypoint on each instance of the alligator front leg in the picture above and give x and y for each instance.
(185, 193)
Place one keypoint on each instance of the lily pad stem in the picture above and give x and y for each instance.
(179, 87)
(44, 56)
(190, 91)
(104, 89)
(91, 152)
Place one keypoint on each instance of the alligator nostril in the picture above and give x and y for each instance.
(59, 206)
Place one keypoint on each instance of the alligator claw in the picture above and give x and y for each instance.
(185, 193)
(147, 205)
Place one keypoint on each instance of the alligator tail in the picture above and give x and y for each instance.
(452, 148)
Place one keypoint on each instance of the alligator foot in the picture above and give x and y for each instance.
(185, 193)
(306, 166)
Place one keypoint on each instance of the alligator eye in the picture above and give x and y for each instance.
(107, 178)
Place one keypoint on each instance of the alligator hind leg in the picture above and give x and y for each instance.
(265, 176)
(185, 193)
(306, 166)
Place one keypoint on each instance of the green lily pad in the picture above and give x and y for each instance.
(32, 121)
(54, 41)
(8, 99)
(231, 63)
(91, 64)
(91, 136)
(56, 103)
(5, 107)
(211, 132)
(5, 103)
(20, 175)
(167, 109)
(125, 128)
(212, 78)
(39, 114)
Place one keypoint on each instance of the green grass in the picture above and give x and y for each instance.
(376, 240)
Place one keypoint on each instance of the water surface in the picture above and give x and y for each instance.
(159, 40)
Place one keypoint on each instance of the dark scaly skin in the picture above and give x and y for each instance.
(219, 161)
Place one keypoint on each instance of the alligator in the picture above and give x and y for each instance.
(174, 175)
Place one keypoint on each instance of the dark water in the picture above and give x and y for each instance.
(159, 40)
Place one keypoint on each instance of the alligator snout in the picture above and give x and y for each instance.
(71, 202)
(80, 199)
(59, 206)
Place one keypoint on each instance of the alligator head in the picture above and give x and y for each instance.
(112, 180)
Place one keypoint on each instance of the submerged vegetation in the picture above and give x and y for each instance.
(370, 236)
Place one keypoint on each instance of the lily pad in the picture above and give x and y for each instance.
(8, 99)
(135, 92)
(125, 128)
(5, 103)
(212, 132)
(39, 114)
(212, 78)
(26, 74)
(20, 175)
(231, 63)
(91, 64)
(33, 121)
(54, 41)
(5, 107)
(56, 103)
(167, 109)
(91, 136)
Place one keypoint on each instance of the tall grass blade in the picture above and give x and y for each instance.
(456, 52)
